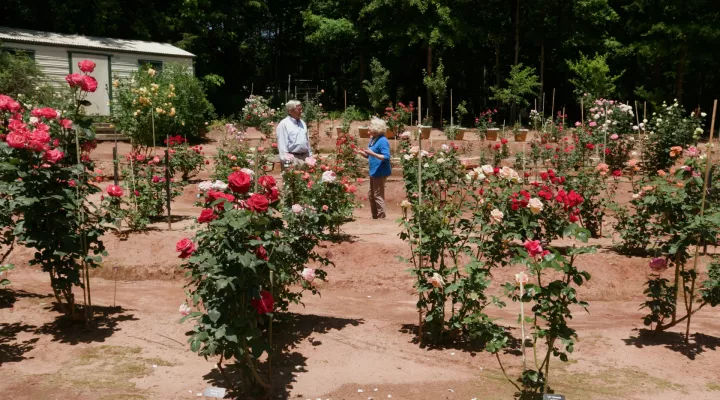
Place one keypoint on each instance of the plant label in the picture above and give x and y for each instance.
(553, 397)
(214, 392)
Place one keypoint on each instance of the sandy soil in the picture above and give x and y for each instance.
(356, 341)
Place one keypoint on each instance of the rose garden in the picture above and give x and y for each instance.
(572, 257)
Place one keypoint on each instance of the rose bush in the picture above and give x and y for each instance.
(185, 159)
(45, 178)
(237, 286)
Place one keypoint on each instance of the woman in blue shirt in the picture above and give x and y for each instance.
(378, 155)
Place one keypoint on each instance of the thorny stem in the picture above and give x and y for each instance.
(505, 373)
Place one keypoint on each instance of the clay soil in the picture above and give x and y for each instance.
(355, 341)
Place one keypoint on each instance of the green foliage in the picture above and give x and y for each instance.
(257, 113)
(436, 83)
(592, 76)
(376, 88)
(150, 106)
(669, 127)
(325, 32)
(349, 116)
(521, 84)
(21, 78)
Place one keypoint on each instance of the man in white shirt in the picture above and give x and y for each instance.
(292, 136)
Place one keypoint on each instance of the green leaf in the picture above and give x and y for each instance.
(214, 315)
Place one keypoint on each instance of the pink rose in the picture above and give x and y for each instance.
(267, 182)
(75, 80)
(593, 123)
(184, 309)
(325, 207)
(66, 123)
(115, 191)
(308, 274)
(310, 161)
(614, 136)
(53, 156)
(16, 140)
(86, 66)
(658, 264)
(533, 247)
(88, 84)
(185, 247)
(46, 112)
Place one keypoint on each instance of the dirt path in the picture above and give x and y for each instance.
(359, 335)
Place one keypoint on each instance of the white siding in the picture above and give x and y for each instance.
(100, 99)
(52, 60)
(124, 64)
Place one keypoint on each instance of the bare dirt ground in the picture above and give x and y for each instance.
(356, 341)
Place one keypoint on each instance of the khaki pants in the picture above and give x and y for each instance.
(298, 161)
(376, 195)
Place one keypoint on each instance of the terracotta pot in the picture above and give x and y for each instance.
(339, 130)
(460, 135)
(390, 133)
(425, 132)
(492, 134)
(521, 136)
(364, 132)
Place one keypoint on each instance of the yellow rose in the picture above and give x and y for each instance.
(116, 83)
(151, 72)
(159, 110)
(172, 112)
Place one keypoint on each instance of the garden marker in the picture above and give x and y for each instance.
(708, 166)
(167, 186)
(420, 314)
(552, 109)
(152, 120)
(582, 112)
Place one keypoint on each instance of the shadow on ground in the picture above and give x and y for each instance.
(675, 341)
(454, 341)
(12, 350)
(103, 325)
(287, 362)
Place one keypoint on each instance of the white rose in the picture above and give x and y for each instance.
(445, 147)
(535, 205)
(407, 156)
(219, 185)
(297, 208)
(496, 215)
(487, 169)
(329, 176)
(440, 160)
(405, 204)
(437, 281)
(184, 309)
(205, 186)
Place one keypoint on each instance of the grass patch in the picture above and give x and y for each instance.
(713, 387)
(107, 371)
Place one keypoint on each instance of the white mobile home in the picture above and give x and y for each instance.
(58, 55)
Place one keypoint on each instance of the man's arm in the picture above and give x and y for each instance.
(281, 140)
(307, 136)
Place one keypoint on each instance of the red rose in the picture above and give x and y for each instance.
(214, 195)
(86, 66)
(533, 247)
(274, 145)
(574, 218)
(617, 173)
(503, 141)
(590, 146)
(185, 247)
(207, 215)
(267, 181)
(16, 140)
(53, 156)
(274, 194)
(264, 304)
(115, 191)
(350, 189)
(261, 253)
(74, 80)
(88, 84)
(239, 182)
(257, 203)
(72, 183)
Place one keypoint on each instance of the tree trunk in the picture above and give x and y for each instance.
(497, 67)
(542, 69)
(517, 32)
(429, 72)
(680, 73)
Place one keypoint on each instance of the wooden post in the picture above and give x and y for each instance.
(420, 256)
(345, 99)
(116, 177)
(252, 88)
(644, 111)
(637, 121)
(167, 187)
(83, 244)
(152, 120)
(451, 105)
(543, 108)
(522, 324)
(582, 112)
(605, 131)
(255, 167)
(552, 110)
(708, 166)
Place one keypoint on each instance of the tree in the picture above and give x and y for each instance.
(437, 85)
(376, 88)
(521, 83)
(592, 76)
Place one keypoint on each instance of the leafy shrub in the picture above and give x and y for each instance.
(257, 113)
(376, 88)
(186, 159)
(669, 127)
